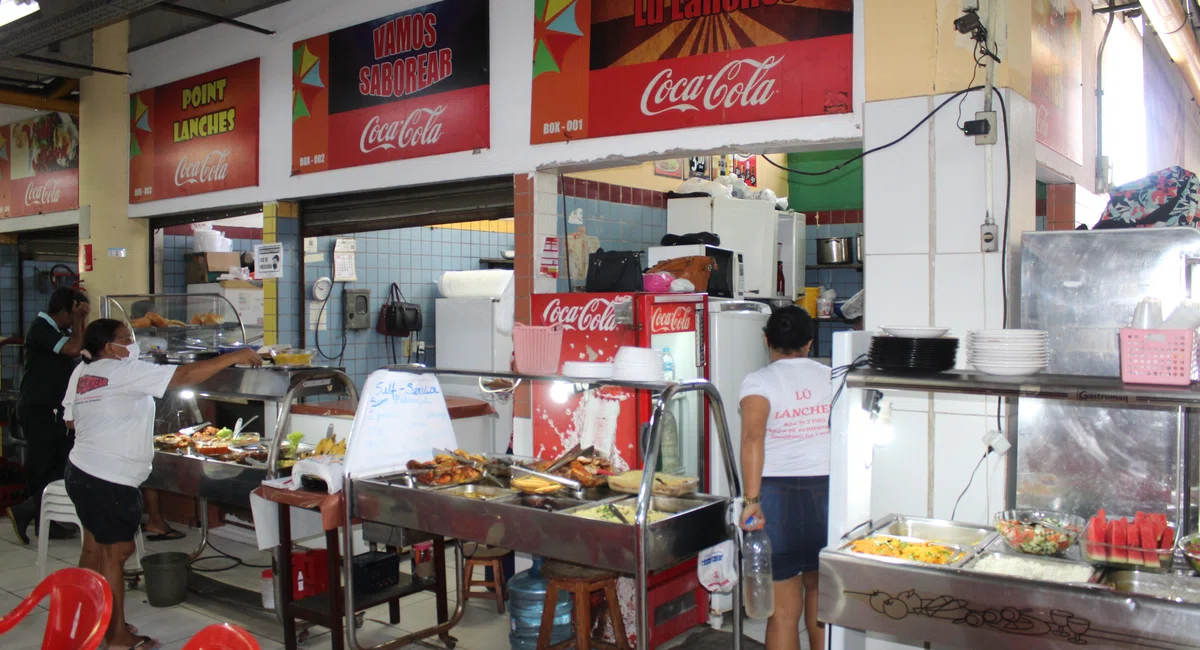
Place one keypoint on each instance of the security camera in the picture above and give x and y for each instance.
(968, 22)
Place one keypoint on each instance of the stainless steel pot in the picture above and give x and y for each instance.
(858, 249)
(833, 250)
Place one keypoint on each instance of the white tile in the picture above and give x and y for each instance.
(958, 447)
(959, 296)
(960, 201)
(903, 400)
(899, 472)
(897, 287)
(896, 180)
(480, 628)
(13, 556)
(28, 633)
(28, 576)
(994, 301)
(174, 624)
(960, 404)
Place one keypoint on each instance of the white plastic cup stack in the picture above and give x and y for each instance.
(638, 364)
(1148, 314)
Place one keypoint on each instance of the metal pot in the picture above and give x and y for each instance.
(858, 249)
(833, 250)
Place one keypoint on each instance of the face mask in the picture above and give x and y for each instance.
(134, 351)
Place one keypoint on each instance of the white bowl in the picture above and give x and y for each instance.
(917, 332)
(634, 354)
(1008, 360)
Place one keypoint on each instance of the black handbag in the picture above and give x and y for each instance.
(614, 272)
(397, 316)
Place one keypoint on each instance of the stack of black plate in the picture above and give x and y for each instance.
(896, 354)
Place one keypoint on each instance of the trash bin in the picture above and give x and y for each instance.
(166, 578)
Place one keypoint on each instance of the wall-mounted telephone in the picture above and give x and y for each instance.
(356, 308)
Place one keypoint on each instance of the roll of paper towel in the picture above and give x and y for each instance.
(496, 284)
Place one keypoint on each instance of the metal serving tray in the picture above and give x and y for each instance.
(1177, 588)
(1093, 576)
(214, 480)
(519, 523)
(478, 492)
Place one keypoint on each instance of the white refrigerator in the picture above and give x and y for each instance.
(737, 349)
(469, 337)
(751, 227)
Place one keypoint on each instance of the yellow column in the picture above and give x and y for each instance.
(280, 224)
(104, 174)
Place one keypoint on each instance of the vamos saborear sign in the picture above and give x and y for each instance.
(39, 165)
(403, 86)
(196, 135)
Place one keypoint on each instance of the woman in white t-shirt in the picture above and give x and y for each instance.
(785, 466)
(110, 404)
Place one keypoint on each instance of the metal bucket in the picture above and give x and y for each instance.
(833, 250)
(166, 578)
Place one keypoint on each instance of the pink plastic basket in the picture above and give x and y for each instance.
(537, 348)
(1163, 357)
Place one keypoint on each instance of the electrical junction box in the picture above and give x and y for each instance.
(356, 308)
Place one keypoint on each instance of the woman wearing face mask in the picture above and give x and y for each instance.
(110, 404)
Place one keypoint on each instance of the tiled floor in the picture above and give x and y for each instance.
(480, 629)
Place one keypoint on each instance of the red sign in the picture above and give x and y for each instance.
(403, 86)
(597, 314)
(669, 319)
(613, 67)
(85, 257)
(39, 165)
(196, 135)
(1058, 76)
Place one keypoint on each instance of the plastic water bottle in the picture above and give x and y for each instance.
(526, 598)
(758, 590)
(668, 365)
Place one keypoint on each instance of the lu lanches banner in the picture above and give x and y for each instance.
(196, 135)
(615, 67)
(39, 165)
(403, 86)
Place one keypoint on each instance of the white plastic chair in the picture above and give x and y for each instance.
(57, 506)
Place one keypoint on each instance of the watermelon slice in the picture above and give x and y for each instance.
(1134, 542)
(1157, 525)
(1116, 540)
(1150, 544)
(1139, 518)
(1096, 538)
(1168, 539)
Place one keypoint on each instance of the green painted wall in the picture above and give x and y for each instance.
(841, 190)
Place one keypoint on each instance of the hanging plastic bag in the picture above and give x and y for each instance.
(717, 568)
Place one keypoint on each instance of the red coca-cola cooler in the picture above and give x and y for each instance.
(613, 420)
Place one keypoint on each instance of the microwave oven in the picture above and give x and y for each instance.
(728, 280)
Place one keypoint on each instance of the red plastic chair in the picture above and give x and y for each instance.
(222, 637)
(80, 606)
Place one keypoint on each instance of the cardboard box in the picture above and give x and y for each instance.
(200, 268)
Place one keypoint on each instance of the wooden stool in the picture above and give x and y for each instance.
(581, 582)
(486, 557)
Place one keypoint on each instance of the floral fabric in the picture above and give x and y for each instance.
(1170, 197)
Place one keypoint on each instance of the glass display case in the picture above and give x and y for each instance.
(180, 325)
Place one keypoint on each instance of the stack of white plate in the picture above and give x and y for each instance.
(638, 364)
(1008, 352)
(588, 369)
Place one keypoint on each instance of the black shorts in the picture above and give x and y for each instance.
(111, 512)
(797, 513)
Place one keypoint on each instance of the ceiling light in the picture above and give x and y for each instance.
(13, 10)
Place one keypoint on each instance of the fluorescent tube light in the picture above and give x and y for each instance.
(13, 10)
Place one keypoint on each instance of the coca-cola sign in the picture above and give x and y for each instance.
(613, 67)
(212, 168)
(196, 135)
(39, 165)
(595, 315)
(403, 86)
(669, 319)
(43, 194)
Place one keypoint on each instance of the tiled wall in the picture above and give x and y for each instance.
(847, 282)
(623, 218)
(414, 257)
(177, 243)
(287, 291)
(10, 314)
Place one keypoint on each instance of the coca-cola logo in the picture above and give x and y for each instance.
(422, 127)
(47, 193)
(211, 169)
(726, 89)
(597, 315)
(665, 321)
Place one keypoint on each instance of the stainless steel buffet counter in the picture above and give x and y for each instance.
(956, 605)
(548, 526)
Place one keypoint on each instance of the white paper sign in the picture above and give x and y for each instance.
(344, 267)
(400, 417)
(268, 261)
(345, 245)
(310, 244)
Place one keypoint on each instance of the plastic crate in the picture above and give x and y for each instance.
(1160, 357)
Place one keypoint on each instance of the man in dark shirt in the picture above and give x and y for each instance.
(52, 345)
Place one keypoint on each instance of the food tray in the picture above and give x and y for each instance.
(477, 492)
(962, 554)
(1091, 553)
(1093, 574)
(631, 483)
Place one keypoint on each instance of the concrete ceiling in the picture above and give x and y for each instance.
(43, 55)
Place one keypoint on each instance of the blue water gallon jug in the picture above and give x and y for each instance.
(526, 597)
